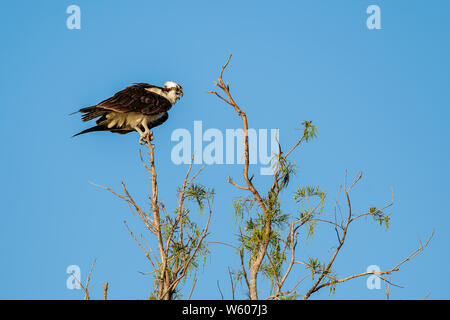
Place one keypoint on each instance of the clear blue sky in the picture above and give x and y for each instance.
(380, 99)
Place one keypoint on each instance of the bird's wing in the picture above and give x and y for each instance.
(136, 98)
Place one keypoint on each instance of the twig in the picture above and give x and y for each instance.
(232, 284)
(192, 289)
(220, 291)
(86, 297)
(105, 290)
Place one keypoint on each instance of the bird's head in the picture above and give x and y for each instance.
(173, 89)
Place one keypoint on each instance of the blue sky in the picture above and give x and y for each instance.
(379, 99)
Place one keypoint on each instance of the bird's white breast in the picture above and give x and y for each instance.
(130, 119)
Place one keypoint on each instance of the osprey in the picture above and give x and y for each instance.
(139, 107)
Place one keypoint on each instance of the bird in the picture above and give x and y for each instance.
(139, 107)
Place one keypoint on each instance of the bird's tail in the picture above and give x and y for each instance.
(96, 128)
(90, 113)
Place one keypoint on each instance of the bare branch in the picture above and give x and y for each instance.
(105, 290)
(192, 289)
(86, 297)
